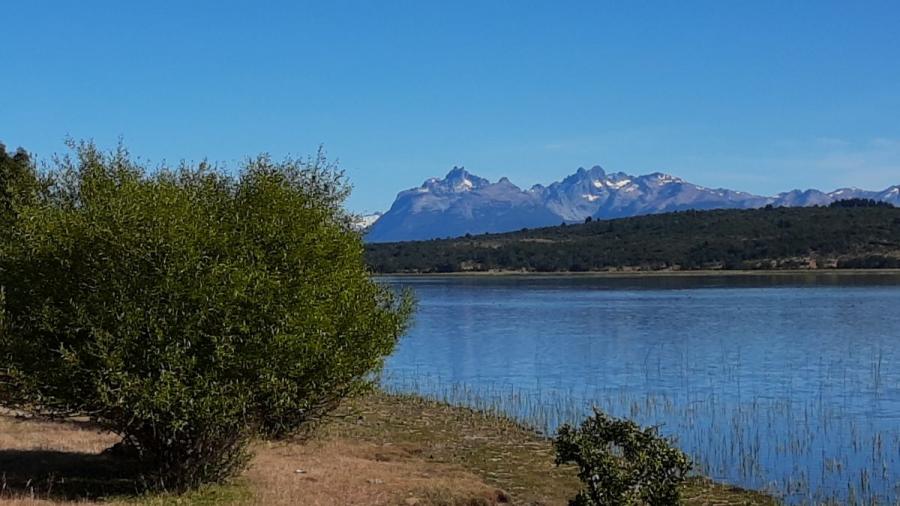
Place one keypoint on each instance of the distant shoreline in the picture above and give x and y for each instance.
(658, 273)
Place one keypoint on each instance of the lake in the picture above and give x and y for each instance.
(787, 383)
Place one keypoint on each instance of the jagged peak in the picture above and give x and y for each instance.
(457, 172)
(595, 172)
(582, 175)
(457, 180)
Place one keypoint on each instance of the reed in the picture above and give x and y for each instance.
(804, 452)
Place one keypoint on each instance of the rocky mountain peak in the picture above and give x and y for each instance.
(457, 180)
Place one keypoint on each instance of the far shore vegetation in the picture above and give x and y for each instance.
(625, 273)
(847, 235)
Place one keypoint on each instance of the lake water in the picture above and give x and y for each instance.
(789, 383)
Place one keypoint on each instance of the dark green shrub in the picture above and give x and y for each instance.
(188, 310)
(19, 183)
(620, 463)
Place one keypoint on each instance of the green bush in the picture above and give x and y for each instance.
(620, 463)
(188, 310)
(19, 186)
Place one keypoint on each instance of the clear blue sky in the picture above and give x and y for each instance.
(757, 96)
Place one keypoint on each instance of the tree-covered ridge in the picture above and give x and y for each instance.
(839, 236)
(860, 203)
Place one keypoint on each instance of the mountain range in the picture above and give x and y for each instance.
(463, 203)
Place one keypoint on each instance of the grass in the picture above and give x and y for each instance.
(380, 449)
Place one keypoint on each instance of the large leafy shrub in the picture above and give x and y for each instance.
(188, 310)
(620, 463)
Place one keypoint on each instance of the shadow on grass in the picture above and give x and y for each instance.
(59, 475)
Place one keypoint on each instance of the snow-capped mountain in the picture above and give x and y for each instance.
(891, 194)
(462, 203)
(366, 220)
(600, 195)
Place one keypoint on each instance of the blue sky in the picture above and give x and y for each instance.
(757, 96)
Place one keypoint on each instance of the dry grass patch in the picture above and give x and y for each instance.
(23, 433)
(42, 460)
(341, 471)
(62, 462)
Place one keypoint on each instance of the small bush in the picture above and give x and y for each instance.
(185, 309)
(620, 463)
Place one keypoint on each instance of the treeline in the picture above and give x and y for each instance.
(850, 234)
(860, 203)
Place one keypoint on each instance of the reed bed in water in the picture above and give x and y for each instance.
(806, 452)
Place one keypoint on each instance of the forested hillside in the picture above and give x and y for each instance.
(849, 234)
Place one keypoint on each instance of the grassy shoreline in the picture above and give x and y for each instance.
(514, 458)
(382, 448)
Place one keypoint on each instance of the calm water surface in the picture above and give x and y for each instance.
(787, 383)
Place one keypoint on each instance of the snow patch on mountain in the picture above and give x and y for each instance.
(366, 220)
